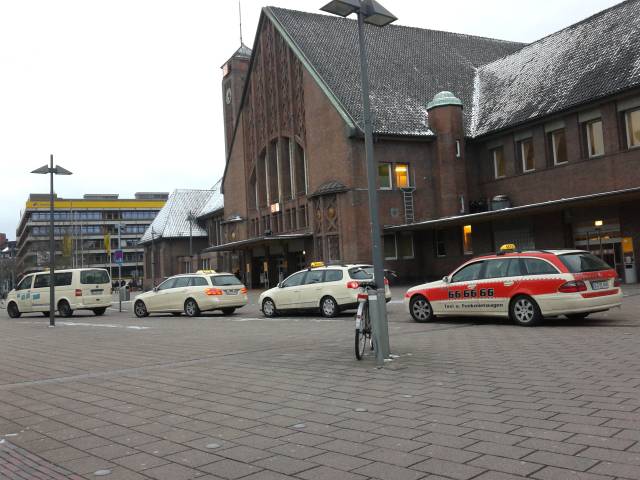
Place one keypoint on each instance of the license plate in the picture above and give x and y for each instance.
(96, 292)
(600, 285)
(231, 292)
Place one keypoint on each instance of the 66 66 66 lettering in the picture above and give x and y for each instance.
(482, 292)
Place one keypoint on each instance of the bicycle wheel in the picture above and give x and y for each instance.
(361, 330)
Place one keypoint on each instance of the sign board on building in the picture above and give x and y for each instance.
(118, 257)
(275, 207)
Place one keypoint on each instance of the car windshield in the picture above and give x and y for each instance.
(580, 262)
(225, 280)
(361, 273)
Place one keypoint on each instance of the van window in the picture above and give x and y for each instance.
(63, 279)
(88, 277)
(25, 283)
(294, 280)
(314, 276)
(41, 281)
(225, 280)
(470, 273)
(167, 284)
(181, 282)
(361, 273)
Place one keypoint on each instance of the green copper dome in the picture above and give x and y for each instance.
(444, 98)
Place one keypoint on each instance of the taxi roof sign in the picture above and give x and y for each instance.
(317, 264)
(206, 271)
(508, 247)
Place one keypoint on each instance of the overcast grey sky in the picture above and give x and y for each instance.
(126, 93)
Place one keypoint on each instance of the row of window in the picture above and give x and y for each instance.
(503, 267)
(593, 139)
(398, 246)
(186, 281)
(69, 216)
(39, 231)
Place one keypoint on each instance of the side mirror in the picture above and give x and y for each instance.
(446, 279)
(280, 285)
(155, 289)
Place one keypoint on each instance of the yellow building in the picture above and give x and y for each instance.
(88, 231)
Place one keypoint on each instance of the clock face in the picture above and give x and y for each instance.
(227, 96)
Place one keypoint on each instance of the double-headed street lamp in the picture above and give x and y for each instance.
(370, 11)
(51, 170)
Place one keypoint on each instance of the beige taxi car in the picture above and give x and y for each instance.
(193, 293)
(329, 289)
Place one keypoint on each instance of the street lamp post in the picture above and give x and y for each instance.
(58, 170)
(371, 12)
(191, 218)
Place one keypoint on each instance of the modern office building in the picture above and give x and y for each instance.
(88, 232)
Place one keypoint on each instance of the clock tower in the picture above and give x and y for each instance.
(234, 73)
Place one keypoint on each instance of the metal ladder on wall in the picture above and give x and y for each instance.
(407, 198)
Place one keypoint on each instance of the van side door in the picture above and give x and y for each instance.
(40, 293)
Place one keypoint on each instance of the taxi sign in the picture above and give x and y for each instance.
(206, 272)
(507, 247)
(317, 264)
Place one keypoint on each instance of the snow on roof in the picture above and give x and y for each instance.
(407, 66)
(216, 201)
(596, 57)
(172, 221)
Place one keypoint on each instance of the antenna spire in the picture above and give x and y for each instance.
(240, 18)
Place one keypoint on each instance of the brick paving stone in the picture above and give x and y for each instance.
(506, 465)
(229, 469)
(267, 475)
(172, 471)
(397, 443)
(296, 451)
(193, 458)
(140, 461)
(348, 448)
(284, 464)
(162, 448)
(327, 473)
(446, 453)
(445, 440)
(244, 454)
(393, 457)
(553, 473)
(448, 469)
(339, 461)
(569, 462)
(86, 464)
(552, 446)
(604, 442)
(385, 471)
(615, 456)
(491, 448)
(618, 470)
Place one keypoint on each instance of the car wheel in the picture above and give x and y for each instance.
(191, 308)
(269, 308)
(140, 309)
(524, 311)
(65, 309)
(99, 311)
(420, 309)
(12, 310)
(329, 307)
(228, 311)
(577, 316)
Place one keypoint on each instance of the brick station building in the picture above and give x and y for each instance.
(478, 142)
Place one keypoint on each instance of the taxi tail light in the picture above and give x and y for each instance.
(573, 286)
(617, 282)
(213, 291)
(353, 284)
(78, 292)
(243, 290)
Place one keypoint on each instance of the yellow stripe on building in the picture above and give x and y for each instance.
(95, 204)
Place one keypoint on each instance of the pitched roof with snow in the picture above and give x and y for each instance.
(407, 66)
(172, 221)
(594, 58)
(215, 203)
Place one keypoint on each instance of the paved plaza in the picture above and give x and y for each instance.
(243, 397)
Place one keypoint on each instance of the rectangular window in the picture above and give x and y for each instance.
(439, 245)
(632, 119)
(595, 140)
(333, 247)
(405, 245)
(497, 155)
(458, 153)
(384, 176)
(559, 147)
(390, 247)
(401, 171)
(467, 244)
(527, 155)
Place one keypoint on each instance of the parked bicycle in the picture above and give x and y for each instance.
(363, 319)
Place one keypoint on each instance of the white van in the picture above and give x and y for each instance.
(75, 289)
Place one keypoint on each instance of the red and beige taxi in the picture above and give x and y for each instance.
(525, 286)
